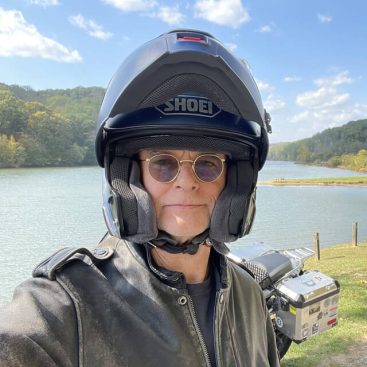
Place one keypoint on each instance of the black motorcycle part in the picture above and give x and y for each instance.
(283, 343)
(275, 265)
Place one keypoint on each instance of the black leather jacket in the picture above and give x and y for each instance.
(108, 308)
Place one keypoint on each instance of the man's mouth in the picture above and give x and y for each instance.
(184, 206)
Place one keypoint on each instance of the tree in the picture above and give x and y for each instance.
(53, 136)
(303, 154)
(11, 152)
(13, 117)
(334, 162)
(361, 160)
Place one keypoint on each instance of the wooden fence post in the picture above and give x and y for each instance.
(355, 234)
(316, 242)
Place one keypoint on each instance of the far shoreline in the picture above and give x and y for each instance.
(356, 181)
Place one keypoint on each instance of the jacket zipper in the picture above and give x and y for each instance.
(198, 331)
(215, 327)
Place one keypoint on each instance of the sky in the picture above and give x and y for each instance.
(309, 58)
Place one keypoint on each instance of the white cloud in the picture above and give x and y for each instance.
(324, 18)
(20, 38)
(231, 46)
(230, 13)
(327, 106)
(312, 122)
(44, 3)
(274, 104)
(327, 95)
(263, 86)
(322, 98)
(339, 79)
(290, 79)
(265, 29)
(89, 25)
(301, 117)
(354, 112)
(132, 5)
(169, 14)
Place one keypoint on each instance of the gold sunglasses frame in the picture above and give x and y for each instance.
(180, 162)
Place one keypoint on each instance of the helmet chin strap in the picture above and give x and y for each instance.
(165, 242)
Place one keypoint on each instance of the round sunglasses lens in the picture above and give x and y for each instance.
(208, 167)
(163, 167)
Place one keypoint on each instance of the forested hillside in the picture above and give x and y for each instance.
(344, 146)
(49, 127)
(56, 127)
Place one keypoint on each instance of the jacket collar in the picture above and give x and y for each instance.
(177, 279)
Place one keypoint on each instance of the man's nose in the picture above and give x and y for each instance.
(186, 178)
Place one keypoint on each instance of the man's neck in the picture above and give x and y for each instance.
(194, 267)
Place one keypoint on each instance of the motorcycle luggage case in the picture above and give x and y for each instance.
(308, 305)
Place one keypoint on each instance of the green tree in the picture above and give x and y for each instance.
(11, 152)
(303, 154)
(334, 162)
(33, 107)
(361, 160)
(54, 138)
(36, 153)
(13, 117)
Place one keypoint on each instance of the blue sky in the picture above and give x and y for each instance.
(308, 57)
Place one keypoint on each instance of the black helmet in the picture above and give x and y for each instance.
(182, 90)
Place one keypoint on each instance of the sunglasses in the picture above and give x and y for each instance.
(166, 167)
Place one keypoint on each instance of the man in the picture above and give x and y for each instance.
(181, 134)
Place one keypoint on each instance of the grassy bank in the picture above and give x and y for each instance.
(339, 346)
(329, 181)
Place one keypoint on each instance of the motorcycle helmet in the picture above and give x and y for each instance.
(182, 90)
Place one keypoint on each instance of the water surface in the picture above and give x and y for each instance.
(43, 210)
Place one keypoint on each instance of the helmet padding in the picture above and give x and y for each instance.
(228, 222)
(137, 213)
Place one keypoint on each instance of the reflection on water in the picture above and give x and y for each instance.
(42, 210)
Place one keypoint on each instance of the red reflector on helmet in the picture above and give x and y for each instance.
(196, 39)
(192, 39)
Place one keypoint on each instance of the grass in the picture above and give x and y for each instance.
(333, 181)
(348, 265)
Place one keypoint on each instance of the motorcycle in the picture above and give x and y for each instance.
(302, 303)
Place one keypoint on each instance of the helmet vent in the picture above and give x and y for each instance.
(194, 84)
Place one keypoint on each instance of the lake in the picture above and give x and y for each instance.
(44, 209)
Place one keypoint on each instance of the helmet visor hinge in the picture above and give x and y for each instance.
(267, 119)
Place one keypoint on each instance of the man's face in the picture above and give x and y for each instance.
(184, 206)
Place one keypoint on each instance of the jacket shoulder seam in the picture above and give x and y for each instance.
(49, 267)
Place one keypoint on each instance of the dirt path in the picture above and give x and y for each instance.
(355, 357)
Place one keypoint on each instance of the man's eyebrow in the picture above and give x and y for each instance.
(168, 151)
(153, 152)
